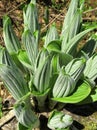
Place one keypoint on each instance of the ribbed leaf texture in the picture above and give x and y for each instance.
(14, 81)
(81, 93)
(51, 35)
(25, 115)
(91, 68)
(70, 15)
(30, 14)
(59, 120)
(64, 85)
(75, 68)
(11, 41)
(42, 76)
(31, 46)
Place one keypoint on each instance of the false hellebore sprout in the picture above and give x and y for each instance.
(47, 78)
(59, 121)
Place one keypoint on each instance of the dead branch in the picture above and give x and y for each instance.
(7, 118)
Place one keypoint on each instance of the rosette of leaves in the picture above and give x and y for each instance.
(56, 73)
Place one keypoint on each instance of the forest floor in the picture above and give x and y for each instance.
(85, 116)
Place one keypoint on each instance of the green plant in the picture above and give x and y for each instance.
(57, 74)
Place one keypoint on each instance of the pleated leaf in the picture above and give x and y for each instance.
(1, 53)
(72, 45)
(59, 120)
(31, 17)
(14, 81)
(11, 41)
(7, 59)
(79, 95)
(25, 115)
(51, 35)
(69, 16)
(88, 48)
(72, 30)
(91, 68)
(30, 46)
(55, 66)
(75, 68)
(42, 76)
(23, 58)
(42, 56)
(63, 86)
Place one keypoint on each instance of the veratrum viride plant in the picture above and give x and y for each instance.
(50, 77)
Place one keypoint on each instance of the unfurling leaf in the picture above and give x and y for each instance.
(75, 68)
(64, 85)
(58, 120)
(11, 41)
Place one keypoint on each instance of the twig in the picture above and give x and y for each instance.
(89, 19)
(52, 20)
(92, 10)
(7, 118)
(15, 7)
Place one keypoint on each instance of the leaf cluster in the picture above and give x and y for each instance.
(54, 75)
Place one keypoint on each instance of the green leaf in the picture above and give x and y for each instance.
(69, 16)
(64, 58)
(30, 14)
(23, 58)
(80, 94)
(93, 94)
(54, 45)
(75, 68)
(72, 45)
(1, 53)
(25, 115)
(42, 56)
(39, 94)
(55, 66)
(21, 127)
(14, 57)
(72, 30)
(51, 35)
(11, 60)
(42, 76)
(91, 98)
(30, 46)
(14, 81)
(11, 41)
(41, 98)
(64, 85)
(59, 121)
(90, 70)
(88, 48)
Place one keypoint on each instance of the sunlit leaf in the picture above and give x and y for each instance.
(11, 41)
(51, 35)
(80, 94)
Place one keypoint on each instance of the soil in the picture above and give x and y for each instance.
(85, 116)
